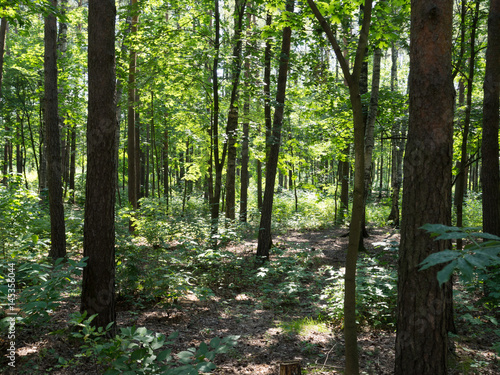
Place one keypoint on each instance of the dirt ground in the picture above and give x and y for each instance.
(263, 344)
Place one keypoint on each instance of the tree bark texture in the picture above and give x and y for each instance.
(421, 339)
(57, 225)
(98, 288)
(490, 178)
(265, 236)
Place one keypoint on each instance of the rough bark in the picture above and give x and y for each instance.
(265, 235)
(490, 178)
(421, 339)
(57, 225)
(98, 286)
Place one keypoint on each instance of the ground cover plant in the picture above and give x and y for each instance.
(185, 307)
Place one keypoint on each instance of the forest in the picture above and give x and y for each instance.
(249, 187)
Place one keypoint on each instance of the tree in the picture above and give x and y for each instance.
(353, 80)
(233, 115)
(421, 339)
(98, 286)
(57, 225)
(490, 178)
(265, 235)
(132, 149)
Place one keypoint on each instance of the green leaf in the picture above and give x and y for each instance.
(138, 354)
(185, 356)
(445, 274)
(215, 342)
(205, 367)
(164, 355)
(438, 258)
(465, 268)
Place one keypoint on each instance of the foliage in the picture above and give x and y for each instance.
(475, 257)
(139, 350)
(375, 293)
(40, 286)
(23, 224)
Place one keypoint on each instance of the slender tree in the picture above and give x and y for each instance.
(355, 232)
(133, 152)
(490, 178)
(461, 181)
(233, 115)
(421, 339)
(57, 225)
(265, 235)
(98, 287)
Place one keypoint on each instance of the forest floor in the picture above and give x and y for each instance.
(264, 341)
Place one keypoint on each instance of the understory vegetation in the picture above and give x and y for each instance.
(170, 259)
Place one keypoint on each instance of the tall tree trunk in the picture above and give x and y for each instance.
(369, 131)
(265, 235)
(98, 285)
(397, 147)
(352, 79)
(232, 117)
(490, 178)
(57, 225)
(421, 338)
(246, 140)
(72, 165)
(133, 152)
(461, 181)
(216, 163)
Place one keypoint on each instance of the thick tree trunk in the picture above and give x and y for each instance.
(98, 286)
(490, 178)
(265, 236)
(57, 225)
(421, 339)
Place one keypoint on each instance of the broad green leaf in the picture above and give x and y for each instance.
(465, 268)
(445, 274)
(164, 355)
(438, 258)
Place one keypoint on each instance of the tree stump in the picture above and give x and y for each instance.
(290, 368)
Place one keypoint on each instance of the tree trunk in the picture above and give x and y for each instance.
(98, 286)
(369, 131)
(57, 225)
(245, 141)
(232, 117)
(355, 231)
(265, 236)
(421, 339)
(461, 181)
(133, 173)
(397, 147)
(490, 178)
